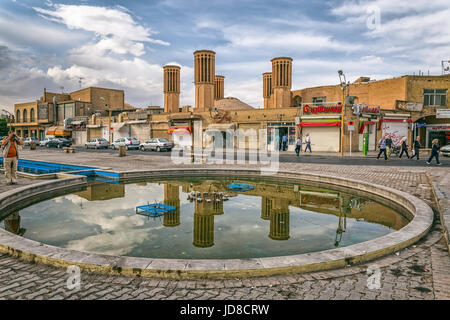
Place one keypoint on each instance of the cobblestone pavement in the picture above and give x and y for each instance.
(420, 272)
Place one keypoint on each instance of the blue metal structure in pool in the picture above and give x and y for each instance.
(40, 168)
(154, 210)
(240, 187)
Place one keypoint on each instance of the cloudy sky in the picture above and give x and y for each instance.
(124, 44)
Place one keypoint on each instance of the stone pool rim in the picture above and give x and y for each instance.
(37, 252)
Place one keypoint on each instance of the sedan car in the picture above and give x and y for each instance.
(97, 143)
(130, 143)
(43, 143)
(58, 143)
(158, 144)
(445, 150)
(28, 140)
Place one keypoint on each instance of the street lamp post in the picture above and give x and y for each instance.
(344, 85)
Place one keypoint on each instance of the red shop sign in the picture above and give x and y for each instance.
(307, 109)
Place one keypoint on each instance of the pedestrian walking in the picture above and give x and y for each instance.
(298, 146)
(10, 147)
(416, 147)
(388, 146)
(382, 146)
(284, 140)
(435, 152)
(308, 143)
(404, 147)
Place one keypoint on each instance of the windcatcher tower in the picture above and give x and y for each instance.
(204, 75)
(171, 88)
(281, 82)
(267, 89)
(219, 87)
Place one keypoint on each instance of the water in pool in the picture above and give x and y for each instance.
(209, 221)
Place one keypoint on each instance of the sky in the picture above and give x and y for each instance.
(124, 44)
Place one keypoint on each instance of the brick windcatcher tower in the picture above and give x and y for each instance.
(281, 82)
(204, 76)
(267, 89)
(171, 88)
(219, 87)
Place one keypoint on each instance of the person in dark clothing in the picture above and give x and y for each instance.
(388, 146)
(298, 146)
(435, 152)
(416, 147)
(404, 147)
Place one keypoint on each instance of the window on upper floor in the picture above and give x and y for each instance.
(434, 97)
(319, 100)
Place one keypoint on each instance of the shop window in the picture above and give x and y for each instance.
(434, 97)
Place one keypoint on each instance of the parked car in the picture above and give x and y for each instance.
(27, 141)
(97, 143)
(58, 143)
(43, 143)
(158, 144)
(445, 150)
(130, 143)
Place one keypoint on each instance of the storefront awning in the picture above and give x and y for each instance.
(180, 129)
(221, 126)
(394, 120)
(117, 126)
(320, 124)
(363, 125)
(57, 131)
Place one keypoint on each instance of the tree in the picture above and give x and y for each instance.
(3, 127)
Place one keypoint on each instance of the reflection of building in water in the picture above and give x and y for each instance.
(172, 198)
(204, 222)
(279, 219)
(97, 191)
(266, 206)
(12, 224)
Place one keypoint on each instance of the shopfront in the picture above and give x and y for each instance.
(396, 126)
(438, 131)
(281, 129)
(323, 124)
(369, 119)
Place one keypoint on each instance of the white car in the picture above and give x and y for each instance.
(130, 143)
(97, 143)
(445, 150)
(158, 144)
(46, 140)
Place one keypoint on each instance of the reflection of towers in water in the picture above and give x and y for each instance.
(206, 206)
(12, 224)
(266, 206)
(172, 198)
(279, 219)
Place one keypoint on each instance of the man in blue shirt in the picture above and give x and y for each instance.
(382, 146)
(285, 139)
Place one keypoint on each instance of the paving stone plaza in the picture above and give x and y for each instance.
(419, 272)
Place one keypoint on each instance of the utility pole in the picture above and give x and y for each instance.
(344, 85)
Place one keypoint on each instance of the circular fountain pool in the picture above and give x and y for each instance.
(209, 221)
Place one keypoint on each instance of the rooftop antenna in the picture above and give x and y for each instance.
(80, 79)
(62, 89)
